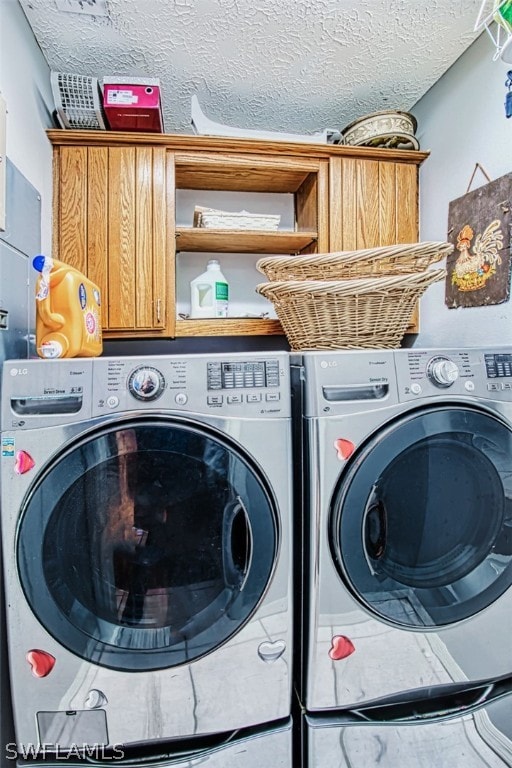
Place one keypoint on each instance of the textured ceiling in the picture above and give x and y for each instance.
(299, 66)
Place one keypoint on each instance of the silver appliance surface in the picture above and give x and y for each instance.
(408, 521)
(262, 747)
(272, 747)
(475, 740)
(146, 509)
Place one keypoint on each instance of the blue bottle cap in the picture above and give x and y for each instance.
(38, 263)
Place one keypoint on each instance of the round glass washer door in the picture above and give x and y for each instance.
(421, 519)
(148, 544)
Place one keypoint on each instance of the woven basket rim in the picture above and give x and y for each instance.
(355, 313)
(345, 287)
(434, 249)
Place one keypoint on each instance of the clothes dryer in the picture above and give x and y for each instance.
(146, 512)
(480, 738)
(407, 542)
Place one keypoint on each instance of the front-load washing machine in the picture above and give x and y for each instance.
(256, 747)
(407, 542)
(146, 511)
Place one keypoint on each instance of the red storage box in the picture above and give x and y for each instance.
(132, 104)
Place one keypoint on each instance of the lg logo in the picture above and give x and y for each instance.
(328, 364)
(19, 371)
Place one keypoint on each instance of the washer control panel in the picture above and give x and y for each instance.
(146, 383)
(58, 392)
(243, 384)
(243, 374)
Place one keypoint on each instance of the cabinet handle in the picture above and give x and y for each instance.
(158, 305)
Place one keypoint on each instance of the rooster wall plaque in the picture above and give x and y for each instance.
(479, 226)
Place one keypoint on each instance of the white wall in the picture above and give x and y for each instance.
(461, 121)
(25, 86)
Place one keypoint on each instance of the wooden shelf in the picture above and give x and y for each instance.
(244, 173)
(243, 241)
(232, 326)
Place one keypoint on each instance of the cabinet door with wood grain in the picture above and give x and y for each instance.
(112, 221)
(372, 203)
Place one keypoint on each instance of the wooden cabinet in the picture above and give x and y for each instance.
(115, 220)
(111, 210)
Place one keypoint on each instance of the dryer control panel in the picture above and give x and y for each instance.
(362, 381)
(470, 372)
(498, 365)
(442, 371)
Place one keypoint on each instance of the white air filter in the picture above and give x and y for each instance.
(77, 101)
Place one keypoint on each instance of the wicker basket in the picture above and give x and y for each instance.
(387, 260)
(210, 218)
(350, 314)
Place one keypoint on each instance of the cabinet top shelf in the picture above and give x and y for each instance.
(186, 142)
(243, 172)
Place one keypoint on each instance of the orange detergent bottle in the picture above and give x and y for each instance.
(68, 311)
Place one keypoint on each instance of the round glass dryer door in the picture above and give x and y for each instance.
(147, 545)
(421, 521)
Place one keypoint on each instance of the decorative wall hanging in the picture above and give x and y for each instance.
(479, 226)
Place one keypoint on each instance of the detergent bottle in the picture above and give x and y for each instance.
(68, 313)
(209, 293)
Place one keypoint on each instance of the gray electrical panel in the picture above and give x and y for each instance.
(19, 243)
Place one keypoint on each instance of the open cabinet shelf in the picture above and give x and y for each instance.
(304, 180)
(243, 241)
(242, 173)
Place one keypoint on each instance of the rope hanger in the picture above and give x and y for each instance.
(475, 169)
